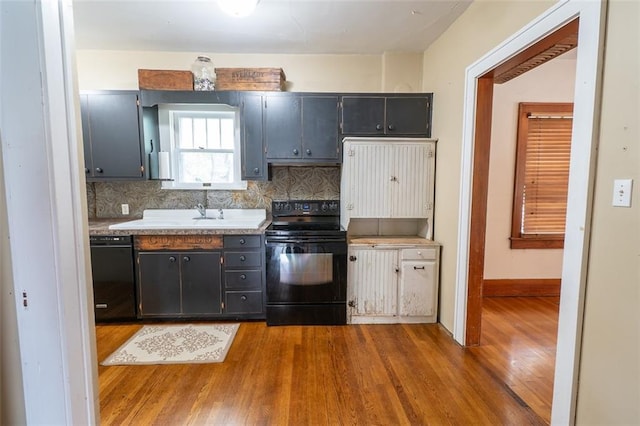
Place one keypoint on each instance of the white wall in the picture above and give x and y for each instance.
(609, 381)
(305, 73)
(609, 376)
(479, 29)
(11, 396)
(551, 82)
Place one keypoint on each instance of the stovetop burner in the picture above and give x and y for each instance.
(305, 217)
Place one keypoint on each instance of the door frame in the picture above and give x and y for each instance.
(581, 182)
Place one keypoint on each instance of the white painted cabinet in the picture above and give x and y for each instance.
(393, 280)
(387, 178)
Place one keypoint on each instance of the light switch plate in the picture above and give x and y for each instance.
(622, 192)
(125, 209)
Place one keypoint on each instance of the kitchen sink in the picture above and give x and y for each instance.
(189, 219)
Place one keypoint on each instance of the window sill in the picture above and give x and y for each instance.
(550, 242)
(238, 186)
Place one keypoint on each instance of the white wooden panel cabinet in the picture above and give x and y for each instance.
(387, 178)
(393, 282)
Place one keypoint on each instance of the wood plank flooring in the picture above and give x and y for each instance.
(518, 345)
(321, 375)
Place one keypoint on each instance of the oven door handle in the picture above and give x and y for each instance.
(269, 241)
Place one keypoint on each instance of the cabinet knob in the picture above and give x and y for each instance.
(393, 179)
(186, 258)
(295, 151)
(243, 277)
(172, 258)
(379, 127)
(256, 171)
(352, 258)
(243, 297)
(99, 170)
(86, 170)
(308, 152)
(391, 127)
(243, 258)
(242, 241)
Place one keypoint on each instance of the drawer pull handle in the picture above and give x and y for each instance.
(418, 267)
(101, 306)
(243, 277)
(243, 297)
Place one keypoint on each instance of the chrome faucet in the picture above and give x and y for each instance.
(202, 210)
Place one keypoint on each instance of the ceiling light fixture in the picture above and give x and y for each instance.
(238, 8)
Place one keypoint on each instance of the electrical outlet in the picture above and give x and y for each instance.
(125, 209)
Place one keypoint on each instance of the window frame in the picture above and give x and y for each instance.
(518, 240)
(168, 115)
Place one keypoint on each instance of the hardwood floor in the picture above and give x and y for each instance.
(360, 374)
(518, 345)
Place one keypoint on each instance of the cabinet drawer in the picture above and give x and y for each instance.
(422, 253)
(247, 259)
(242, 241)
(243, 302)
(243, 279)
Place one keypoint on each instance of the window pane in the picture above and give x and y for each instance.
(206, 167)
(200, 133)
(227, 132)
(213, 130)
(185, 132)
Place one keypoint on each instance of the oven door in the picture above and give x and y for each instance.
(306, 272)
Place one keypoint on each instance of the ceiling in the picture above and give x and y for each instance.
(276, 26)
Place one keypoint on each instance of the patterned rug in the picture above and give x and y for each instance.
(175, 344)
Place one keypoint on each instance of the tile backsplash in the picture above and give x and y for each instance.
(105, 198)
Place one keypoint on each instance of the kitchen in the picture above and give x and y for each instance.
(449, 152)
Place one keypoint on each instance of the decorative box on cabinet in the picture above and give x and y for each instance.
(111, 135)
(393, 280)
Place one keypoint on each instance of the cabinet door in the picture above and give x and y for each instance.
(253, 161)
(320, 128)
(417, 288)
(159, 284)
(373, 281)
(283, 127)
(407, 116)
(86, 134)
(114, 134)
(362, 115)
(367, 169)
(201, 283)
(412, 182)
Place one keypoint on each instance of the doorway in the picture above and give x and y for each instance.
(476, 141)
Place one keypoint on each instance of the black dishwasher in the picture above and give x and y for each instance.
(113, 278)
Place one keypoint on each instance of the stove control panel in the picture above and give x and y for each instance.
(306, 208)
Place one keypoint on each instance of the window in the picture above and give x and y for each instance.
(204, 146)
(542, 175)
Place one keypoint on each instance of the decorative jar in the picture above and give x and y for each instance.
(204, 75)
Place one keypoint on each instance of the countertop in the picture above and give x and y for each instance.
(396, 241)
(101, 227)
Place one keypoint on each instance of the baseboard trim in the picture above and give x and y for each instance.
(521, 287)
